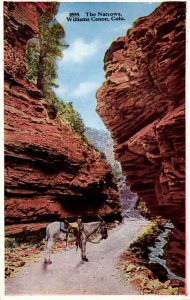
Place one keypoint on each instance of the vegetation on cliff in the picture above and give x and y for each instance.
(41, 56)
(147, 237)
(66, 113)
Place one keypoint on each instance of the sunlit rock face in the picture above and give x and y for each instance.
(49, 172)
(142, 104)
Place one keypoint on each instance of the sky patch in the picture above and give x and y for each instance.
(81, 71)
(80, 50)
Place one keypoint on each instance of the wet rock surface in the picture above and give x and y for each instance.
(150, 278)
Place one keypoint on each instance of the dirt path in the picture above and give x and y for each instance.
(68, 275)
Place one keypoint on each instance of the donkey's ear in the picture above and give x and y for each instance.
(100, 218)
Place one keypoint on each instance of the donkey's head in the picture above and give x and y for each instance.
(103, 228)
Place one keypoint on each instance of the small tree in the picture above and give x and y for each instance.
(42, 52)
(41, 57)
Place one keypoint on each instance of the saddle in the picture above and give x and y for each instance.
(74, 228)
(74, 225)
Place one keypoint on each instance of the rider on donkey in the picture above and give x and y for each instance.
(76, 228)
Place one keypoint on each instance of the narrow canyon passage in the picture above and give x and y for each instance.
(54, 173)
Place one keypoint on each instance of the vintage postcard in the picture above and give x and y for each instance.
(94, 149)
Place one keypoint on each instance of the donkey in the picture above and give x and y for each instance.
(81, 236)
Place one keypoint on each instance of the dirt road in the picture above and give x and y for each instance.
(68, 275)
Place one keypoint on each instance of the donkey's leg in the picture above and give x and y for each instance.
(83, 250)
(46, 254)
(48, 247)
(66, 240)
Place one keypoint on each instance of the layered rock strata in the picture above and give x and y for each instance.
(142, 104)
(50, 173)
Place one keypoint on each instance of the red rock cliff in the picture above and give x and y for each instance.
(49, 172)
(142, 104)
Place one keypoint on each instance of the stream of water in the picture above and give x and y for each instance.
(157, 252)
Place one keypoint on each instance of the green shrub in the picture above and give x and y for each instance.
(9, 242)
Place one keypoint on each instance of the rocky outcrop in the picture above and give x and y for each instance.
(142, 104)
(50, 173)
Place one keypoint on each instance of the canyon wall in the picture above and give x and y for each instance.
(142, 104)
(50, 173)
